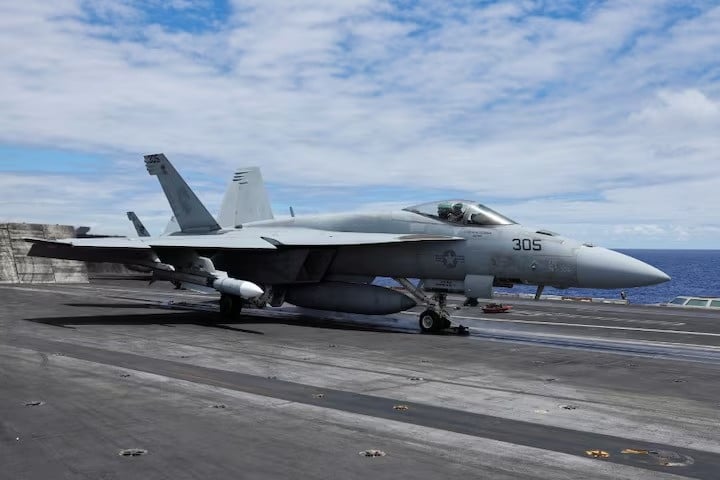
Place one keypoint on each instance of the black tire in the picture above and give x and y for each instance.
(430, 321)
(230, 306)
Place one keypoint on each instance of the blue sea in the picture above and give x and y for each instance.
(693, 272)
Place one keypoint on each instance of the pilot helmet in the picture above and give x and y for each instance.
(444, 209)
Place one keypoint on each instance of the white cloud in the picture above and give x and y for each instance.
(681, 109)
(643, 229)
(617, 106)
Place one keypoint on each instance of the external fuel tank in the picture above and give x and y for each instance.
(349, 298)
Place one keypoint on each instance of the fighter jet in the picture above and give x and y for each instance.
(328, 262)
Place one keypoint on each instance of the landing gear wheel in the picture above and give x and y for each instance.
(431, 322)
(230, 306)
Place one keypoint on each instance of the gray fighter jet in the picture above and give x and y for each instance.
(329, 262)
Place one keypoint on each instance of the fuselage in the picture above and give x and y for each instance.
(511, 253)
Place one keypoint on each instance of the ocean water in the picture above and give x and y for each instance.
(693, 272)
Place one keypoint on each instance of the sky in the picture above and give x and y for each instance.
(599, 119)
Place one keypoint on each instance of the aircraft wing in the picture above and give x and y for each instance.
(126, 250)
(106, 249)
(122, 243)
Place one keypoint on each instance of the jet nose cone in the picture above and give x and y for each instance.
(603, 268)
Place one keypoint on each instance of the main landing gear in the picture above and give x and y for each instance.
(230, 306)
(435, 318)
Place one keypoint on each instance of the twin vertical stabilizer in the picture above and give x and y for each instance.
(139, 227)
(246, 199)
(190, 213)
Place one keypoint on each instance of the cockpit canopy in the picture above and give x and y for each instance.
(462, 212)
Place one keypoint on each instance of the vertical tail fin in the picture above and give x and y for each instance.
(139, 227)
(171, 227)
(190, 213)
(246, 199)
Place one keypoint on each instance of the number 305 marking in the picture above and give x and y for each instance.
(527, 244)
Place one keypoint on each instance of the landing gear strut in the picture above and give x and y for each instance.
(230, 306)
(435, 317)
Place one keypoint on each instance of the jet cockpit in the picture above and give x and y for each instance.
(462, 212)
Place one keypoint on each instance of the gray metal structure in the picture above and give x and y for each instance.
(16, 267)
(139, 227)
(246, 199)
(328, 262)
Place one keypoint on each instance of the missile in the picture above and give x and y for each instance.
(230, 286)
(240, 288)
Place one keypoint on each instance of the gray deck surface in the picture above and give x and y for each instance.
(300, 394)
